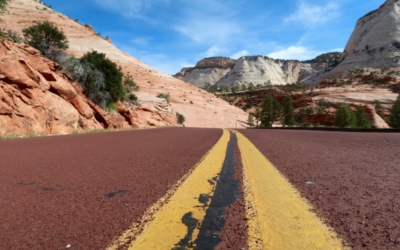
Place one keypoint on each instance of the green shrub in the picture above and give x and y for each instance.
(15, 36)
(111, 107)
(90, 78)
(306, 125)
(45, 36)
(165, 96)
(128, 81)
(288, 112)
(345, 117)
(180, 118)
(3, 4)
(395, 114)
(361, 120)
(132, 97)
(112, 74)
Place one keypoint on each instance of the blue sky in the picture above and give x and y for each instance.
(171, 34)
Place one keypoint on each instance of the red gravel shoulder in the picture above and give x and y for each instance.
(356, 175)
(84, 190)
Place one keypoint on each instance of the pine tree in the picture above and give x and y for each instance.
(395, 115)
(288, 112)
(361, 119)
(267, 112)
(345, 117)
(250, 121)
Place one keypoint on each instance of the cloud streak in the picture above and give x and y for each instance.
(314, 15)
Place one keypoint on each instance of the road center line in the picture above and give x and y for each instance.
(284, 218)
(176, 224)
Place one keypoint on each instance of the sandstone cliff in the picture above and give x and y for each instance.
(375, 42)
(207, 71)
(259, 70)
(35, 98)
(199, 107)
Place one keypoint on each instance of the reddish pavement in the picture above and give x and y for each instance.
(84, 190)
(357, 186)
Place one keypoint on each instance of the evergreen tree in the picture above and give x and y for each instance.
(361, 119)
(395, 115)
(345, 117)
(258, 115)
(277, 109)
(267, 112)
(250, 120)
(288, 112)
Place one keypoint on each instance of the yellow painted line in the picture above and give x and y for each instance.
(167, 229)
(284, 219)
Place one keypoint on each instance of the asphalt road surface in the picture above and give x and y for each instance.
(85, 191)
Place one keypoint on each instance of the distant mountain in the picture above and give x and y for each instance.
(256, 70)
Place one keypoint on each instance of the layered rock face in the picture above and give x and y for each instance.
(250, 69)
(207, 71)
(201, 109)
(375, 42)
(35, 98)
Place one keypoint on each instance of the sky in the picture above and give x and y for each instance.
(171, 34)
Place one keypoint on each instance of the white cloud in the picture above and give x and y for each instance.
(129, 8)
(299, 53)
(311, 15)
(143, 41)
(240, 54)
(201, 30)
(215, 51)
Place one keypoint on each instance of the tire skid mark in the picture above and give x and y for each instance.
(226, 192)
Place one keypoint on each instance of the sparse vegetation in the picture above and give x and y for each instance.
(45, 37)
(344, 117)
(395, 114)
(13, 35)
(180, 118)
(111, 72)
(270, 112)
(165, 96)
(128, 81)
(288, 112)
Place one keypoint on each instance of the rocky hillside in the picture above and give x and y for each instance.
(35, 98)
(207, 71)
(375, 42)
(200, 108)
(258, 70)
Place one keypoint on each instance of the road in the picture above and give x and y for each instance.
(181, 188)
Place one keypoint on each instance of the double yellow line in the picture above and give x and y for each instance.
(278, 217)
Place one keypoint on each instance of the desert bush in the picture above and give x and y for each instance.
(165, 96)
(395, 114)
(111, 106)
(45, 36)
(112, 74)
(128, 81)
(91, 79)
(15, 36)
(322, 106)
(180, 118)
(132, 97)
